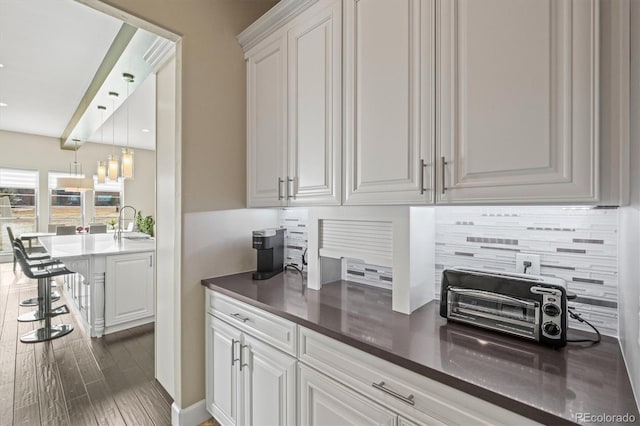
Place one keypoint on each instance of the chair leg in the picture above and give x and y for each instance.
(14, 264)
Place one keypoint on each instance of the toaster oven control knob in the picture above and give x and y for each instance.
(551, 329)
(551, 310)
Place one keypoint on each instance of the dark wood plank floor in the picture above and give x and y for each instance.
(74, 380)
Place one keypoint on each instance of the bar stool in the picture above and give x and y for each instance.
(44, 312)
(37, 261)
(13, 239)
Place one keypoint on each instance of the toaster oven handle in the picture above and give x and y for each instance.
(487, 295)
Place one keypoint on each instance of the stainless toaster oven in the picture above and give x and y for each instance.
(528, 306)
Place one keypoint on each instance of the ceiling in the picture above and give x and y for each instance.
(50, 51)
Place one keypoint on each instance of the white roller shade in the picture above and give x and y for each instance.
(14, 178)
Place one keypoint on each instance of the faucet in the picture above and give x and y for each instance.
(118, 234)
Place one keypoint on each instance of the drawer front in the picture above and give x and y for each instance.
(267, 327)
(413, 395)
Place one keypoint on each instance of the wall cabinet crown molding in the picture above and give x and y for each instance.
(278, 16)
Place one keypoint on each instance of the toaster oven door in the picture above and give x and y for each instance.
(495, 311)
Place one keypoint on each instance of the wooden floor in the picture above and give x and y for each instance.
(74, 380)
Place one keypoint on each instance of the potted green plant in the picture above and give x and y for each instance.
(145, 224)
(112, 223)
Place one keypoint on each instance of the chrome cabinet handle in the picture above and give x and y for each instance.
(423, 165)
(406, 399)
(289, 185)
(239, 317)
(242, 363)
(444, 163)
(233, 351)
(280, 182)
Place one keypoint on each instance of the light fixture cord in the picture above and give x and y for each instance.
(128, 101)
(113, 125)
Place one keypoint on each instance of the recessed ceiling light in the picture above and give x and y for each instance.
(1, 65)
(2, 104)
(145, 130)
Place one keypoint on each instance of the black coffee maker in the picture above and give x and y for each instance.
(270, 246)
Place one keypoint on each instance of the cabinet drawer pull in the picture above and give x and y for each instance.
(442, 170)
(423, 165)
(233, 351)
(239, 317)
(406, 399)
(280, 182)
(290, 188)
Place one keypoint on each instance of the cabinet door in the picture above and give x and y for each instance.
(389, 101)
(222, 354)
(325, 402)
(129, 288)
(518, 101)
(269, 394)
(266, 123)
(315, 106)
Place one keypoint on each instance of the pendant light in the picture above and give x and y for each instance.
(113, 159)
(102, 165)
(127, 153)
(76, 182)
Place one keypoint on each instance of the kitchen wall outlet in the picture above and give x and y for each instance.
(523, 258)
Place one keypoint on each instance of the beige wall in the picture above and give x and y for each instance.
(21, 150)
(213, 156)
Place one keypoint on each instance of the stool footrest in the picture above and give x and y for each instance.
(44, 334)
(39, 315)
(55, 296)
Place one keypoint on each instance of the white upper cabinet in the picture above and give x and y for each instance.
(315, 106)
(267, 123)
(438, 101)
(389, 98)
(294, 114)
(517, 101)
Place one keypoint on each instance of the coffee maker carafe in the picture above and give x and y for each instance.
(270, 246)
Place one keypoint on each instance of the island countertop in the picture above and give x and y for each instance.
(67, 246)
(548, 385)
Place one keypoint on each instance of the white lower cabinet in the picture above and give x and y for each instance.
(269, 381)
(222, 342)
(416, 399)
(249, 382)
(325, 402)
(129, 288)
(323, 383)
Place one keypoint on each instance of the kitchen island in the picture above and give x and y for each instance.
(346, 325)
(114, 285)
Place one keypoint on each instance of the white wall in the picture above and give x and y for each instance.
(630, 225)
(25, 151)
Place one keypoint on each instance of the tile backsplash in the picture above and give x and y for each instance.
(295, 220)
(579, 245)
(295, 237)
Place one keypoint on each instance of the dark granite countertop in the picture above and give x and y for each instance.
(548, 385)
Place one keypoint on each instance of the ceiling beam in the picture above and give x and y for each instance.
(120, 43)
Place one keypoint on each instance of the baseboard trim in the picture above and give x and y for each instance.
(193, 415)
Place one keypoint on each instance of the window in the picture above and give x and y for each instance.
(18, 203)
(65, 208)
(106, 200)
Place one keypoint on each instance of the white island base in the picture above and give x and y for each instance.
(114, 285)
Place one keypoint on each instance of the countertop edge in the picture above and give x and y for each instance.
(487, 395)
